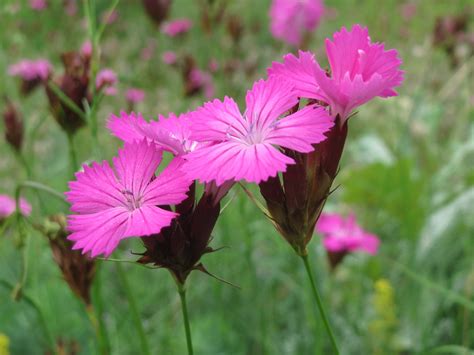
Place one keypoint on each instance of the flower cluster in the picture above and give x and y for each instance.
(288, 138)
(291, 20)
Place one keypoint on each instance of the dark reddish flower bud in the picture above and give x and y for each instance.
(212, 14)
(295, 202)
(157, 10)
(74, 84)
(235, 28)
(450, 32)
(180, 246)
(195, 80)
(64, 347)
(78, 270)
(335, 258)
(13, 126)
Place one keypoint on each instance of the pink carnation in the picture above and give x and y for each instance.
(106, 79)
(38, 5)
(290, 19)
(360, 71)
(134, 95)
(31, 70)
(171, 134)
(169, 57)
(345, 235)
(176, 27)
(111, 204)
(247, 146)
(8, 206)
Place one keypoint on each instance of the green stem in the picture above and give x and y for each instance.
(67, 101)
(187, 327)
(95, 314)
(317, 298)
(40, 187)
(133, 309)
(72, 153)
(94, 319)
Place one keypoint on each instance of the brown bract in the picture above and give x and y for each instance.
(74, 84)
(13, 123)
(157, 10)
(296, 200)
(78, 270)
(180, 246)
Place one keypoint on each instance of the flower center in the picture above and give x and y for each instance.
(133, 202)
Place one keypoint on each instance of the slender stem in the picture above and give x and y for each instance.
(317, 298)
(72, 153)
(187, 327)
(133, 309)
(95, 314)
(40, 187)
(94, 319)
(67, 101)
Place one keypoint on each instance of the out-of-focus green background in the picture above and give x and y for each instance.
(407, 173)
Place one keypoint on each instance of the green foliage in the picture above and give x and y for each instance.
(406, 173)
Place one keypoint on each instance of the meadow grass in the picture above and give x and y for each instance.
(406, 172)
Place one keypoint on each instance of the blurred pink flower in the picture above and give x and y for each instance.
(111, 204)
(86, 49)
(290, 19)
(408, 10)
(31, 69)
(170, 133)
(106, 80)
(8, 206)
(169, 57)
(70, 6)
(38, 5)
(360, 71)
(109, 17)
(134, 95)
(213, 65)
(176, 27)
(201, 79)
(345, 235)
(247, 146)
(148, 51)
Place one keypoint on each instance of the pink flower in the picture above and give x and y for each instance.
(134, 95)
(70, 6)
(408, 10)
(344, 235)
(200, 79)
(290, 19)
(176, 27)
(171, 134)
(38, 5)
(31, 70)
(213, 65)
(360, 71)
(109, 17)
(169, 57)
(114, 204)
(106, 79)
(148, 51)
(8, 206)
(86, 49)
(247, 146)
